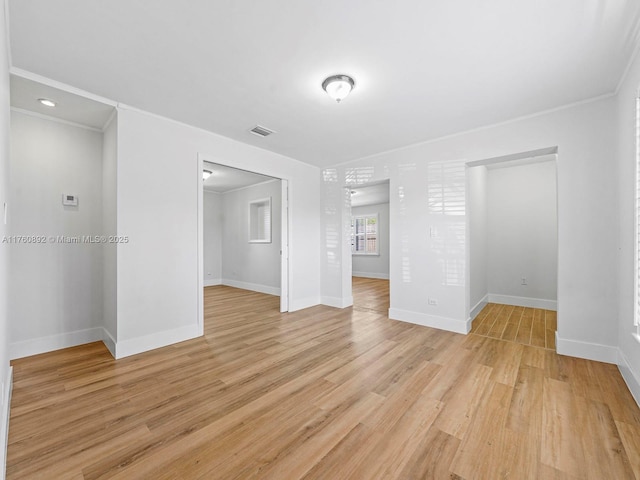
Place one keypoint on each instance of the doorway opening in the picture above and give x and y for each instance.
(243, 231)
(513, 247)
(370, 252)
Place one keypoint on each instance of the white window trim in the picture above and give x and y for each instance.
(267, 218)
(353, 223)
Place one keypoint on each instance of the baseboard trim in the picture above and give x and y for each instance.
(302, 303)
(478, 307)
(254, 287)
(133, 346)
(381, 276)
(523, 301)
(629, 376)
(36, 346)
(109, 342)
(586, 350)
(212, 282)
(4, 426)
(337, 302)
(434, 321)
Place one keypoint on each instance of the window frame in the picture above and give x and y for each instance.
(255, 236)
(366, 234)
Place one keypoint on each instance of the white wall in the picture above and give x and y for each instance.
(254, 266)
(629, 351)
(110, 228)
(212, 242)
(374, 266)
(48, 159)
(426, 266)
(477, 212)
(158, 181)
(522, 234)
(5, 369)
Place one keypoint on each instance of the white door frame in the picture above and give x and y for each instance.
(285, 265)
(348, 258)
(473, 310)
(200, 242)
(284, 247)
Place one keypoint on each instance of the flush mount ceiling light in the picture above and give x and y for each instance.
(206, 174)
(46, 102)
(338, 86)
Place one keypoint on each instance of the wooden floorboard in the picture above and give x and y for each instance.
(528, 326)
(325, 393)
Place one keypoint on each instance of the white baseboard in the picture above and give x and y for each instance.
(212, 282)
(381, 276)
(109, 342)
(126, 348)
(523, 301)
(589, 351)
(630, 377)
(35, 346)
(302, 303)
(255, 287)
(426, 320)
(120, 349)
(478, 307)
(4, 425)
(337, 302)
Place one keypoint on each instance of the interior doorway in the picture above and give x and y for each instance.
(370, 252)
(513, 247)
(243, 231)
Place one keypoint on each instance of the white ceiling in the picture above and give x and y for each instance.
(370, 195)
(423, 69)
(70, 107)
(224, 179)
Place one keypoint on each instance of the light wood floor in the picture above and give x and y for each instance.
(370, 295)
(320, 394)
(529, 326)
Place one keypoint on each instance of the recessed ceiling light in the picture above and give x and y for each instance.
(46, 102)
(338, 86)
(206, 174)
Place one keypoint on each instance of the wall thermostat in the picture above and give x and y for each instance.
(71, 200)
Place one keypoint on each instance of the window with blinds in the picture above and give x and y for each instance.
(260, 221)
(364, 235)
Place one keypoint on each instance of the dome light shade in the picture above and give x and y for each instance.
(338, 86)
(206, 174)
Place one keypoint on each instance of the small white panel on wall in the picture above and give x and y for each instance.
(69, 200)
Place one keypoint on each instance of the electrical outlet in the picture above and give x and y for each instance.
(433, 301)
(523, 281)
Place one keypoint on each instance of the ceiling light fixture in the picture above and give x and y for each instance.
(206, 174)
(46, 102)
(338, 86)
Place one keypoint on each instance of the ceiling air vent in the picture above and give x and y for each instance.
(261, 131)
